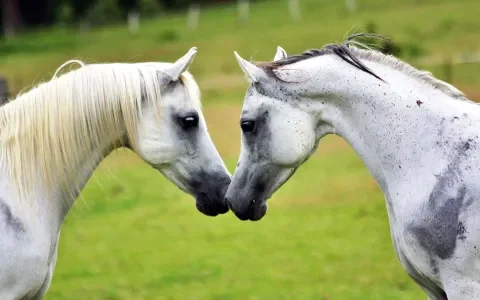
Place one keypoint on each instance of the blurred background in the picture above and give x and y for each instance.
(133, 235)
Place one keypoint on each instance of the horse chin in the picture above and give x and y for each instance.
(208, 207)
(258, 211)
(254, 213)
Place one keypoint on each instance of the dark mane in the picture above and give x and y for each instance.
(352, 55)
(342, 50)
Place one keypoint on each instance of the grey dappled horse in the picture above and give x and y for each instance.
(418, 137)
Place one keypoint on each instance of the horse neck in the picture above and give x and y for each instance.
(52, 203)
(398, 127)
(51, 206)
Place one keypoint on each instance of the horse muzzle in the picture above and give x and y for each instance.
(210, 198)
(253, 211)
(210, 207)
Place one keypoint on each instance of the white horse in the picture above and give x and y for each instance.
(418, 137)
(54, 136)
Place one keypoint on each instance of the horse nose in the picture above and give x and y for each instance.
(227, 201)
(230, 205)
(225, 184)
(243, 213)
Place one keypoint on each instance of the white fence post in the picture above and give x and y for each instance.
(351, 5)
(294, 8)
(243, 10)
(193, 16)
(133, 21)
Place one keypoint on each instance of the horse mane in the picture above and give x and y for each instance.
(49, 132)
(350, 52)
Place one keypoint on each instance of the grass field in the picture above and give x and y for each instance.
(133, 235)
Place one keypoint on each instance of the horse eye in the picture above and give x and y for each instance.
(189, 122)
(247, 126)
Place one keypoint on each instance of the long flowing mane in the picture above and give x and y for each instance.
(350, 53)
(49, 131)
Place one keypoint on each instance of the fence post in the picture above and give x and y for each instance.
(294, 8)
(351, 5)
(243, 10)
(193, 16)
(133, 22)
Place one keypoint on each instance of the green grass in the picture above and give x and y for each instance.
(326, 235)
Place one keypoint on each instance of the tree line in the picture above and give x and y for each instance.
(23, 14)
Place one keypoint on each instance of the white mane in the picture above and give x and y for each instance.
(397, 64)
(49, 131)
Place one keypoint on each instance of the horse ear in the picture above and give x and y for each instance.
(281, 54)
(252, 72)
(182, 64)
